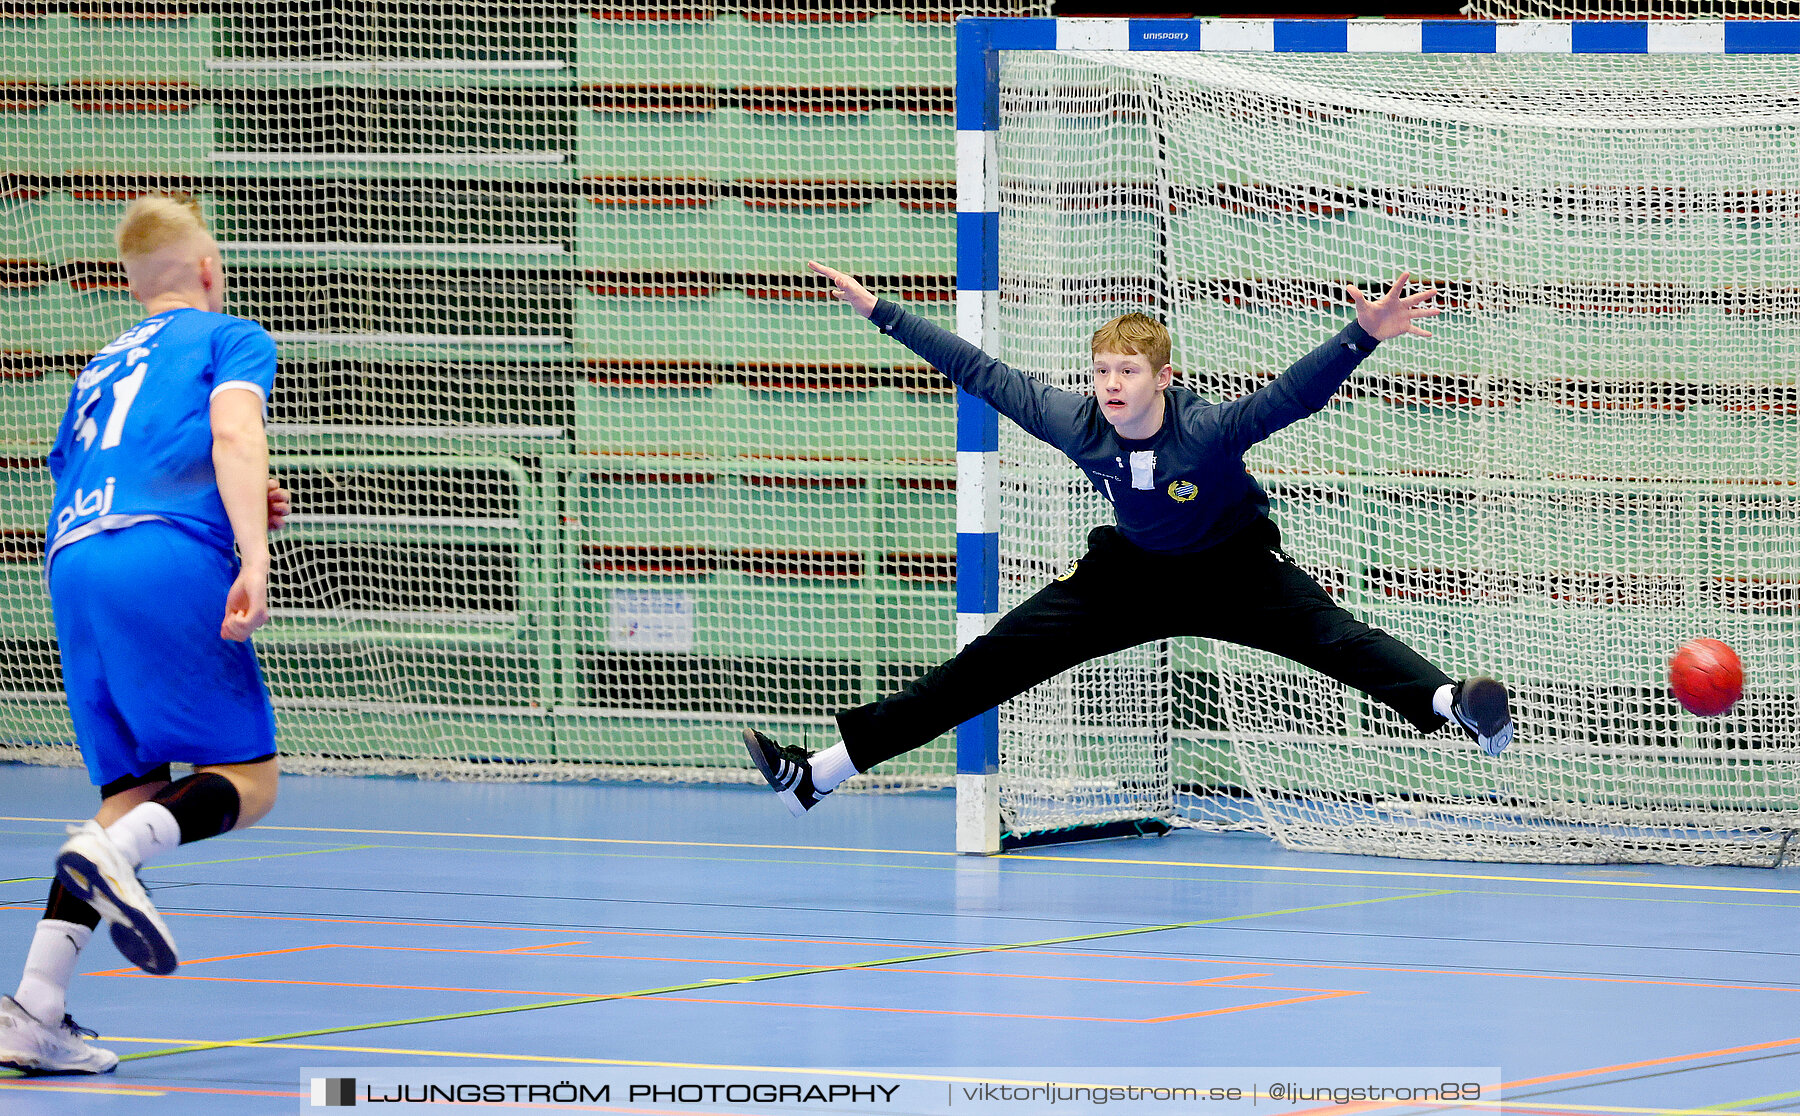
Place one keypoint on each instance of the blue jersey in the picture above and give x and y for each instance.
(136, 443)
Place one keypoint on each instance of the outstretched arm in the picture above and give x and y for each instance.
(1308, 385)
(1044, 412)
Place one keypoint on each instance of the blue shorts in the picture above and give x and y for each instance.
(149, 679)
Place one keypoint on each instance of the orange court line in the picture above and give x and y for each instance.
(877, 943)
(884, 943)
(343, 921)
(1254, 1007)
(137, 974)
(1082, 954)
(131, 971)
(978, 1014)
(134, 973)
(1329, 966)
(1326, 994)
(243, 956)
(526, 952)
(1574, 977)
(1571, 1075)
(903, 970)
(531, 951)
(521, 952)
(872, 943)
(1323, 994)
(1197, 982)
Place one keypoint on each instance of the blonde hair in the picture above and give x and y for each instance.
(1134, 333)
(154, 222)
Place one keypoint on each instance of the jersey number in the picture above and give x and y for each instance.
(124, 395)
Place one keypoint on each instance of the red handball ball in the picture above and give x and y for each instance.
(1706, 676)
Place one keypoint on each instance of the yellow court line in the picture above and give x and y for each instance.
(1134, 863)
(37, 1084)
(265, 856)
(1727, 1106)
(1062, 859)
(222, 860)
(1525, 1108)
(565, 840)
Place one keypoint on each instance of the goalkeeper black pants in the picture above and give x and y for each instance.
(1245, 590)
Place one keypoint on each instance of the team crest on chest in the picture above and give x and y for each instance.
(1183, 490)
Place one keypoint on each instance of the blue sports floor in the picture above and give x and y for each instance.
(378, 922)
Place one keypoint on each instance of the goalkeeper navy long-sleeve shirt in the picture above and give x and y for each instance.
(1185, 488)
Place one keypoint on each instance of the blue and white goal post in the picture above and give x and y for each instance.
(1248, 266)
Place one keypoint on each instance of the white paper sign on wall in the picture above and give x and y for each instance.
(650, 620)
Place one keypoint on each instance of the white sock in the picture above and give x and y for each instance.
(831, 767)
(44, 989)
(1440, 701)
(149, 830)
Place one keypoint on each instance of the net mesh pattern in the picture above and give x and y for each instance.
(1631, 9)
(1593, 459)
(587, 472)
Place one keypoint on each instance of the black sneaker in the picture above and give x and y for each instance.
(787, 769)
(1479, 703)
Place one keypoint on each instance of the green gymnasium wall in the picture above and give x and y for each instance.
(587, 470)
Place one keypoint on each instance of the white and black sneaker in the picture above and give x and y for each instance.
(92, 867)
(1480, 706)
(30, 1045)
(788, 770)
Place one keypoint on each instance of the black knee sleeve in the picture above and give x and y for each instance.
(65, 907)
(204, 804)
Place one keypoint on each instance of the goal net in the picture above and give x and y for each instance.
(588, 473)
(1631, 9)
(1594, 459)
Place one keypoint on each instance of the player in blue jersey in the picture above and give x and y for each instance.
(1190, 517)
(162, 472)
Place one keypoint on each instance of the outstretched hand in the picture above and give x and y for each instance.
(848, 289)
(1393, 313)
